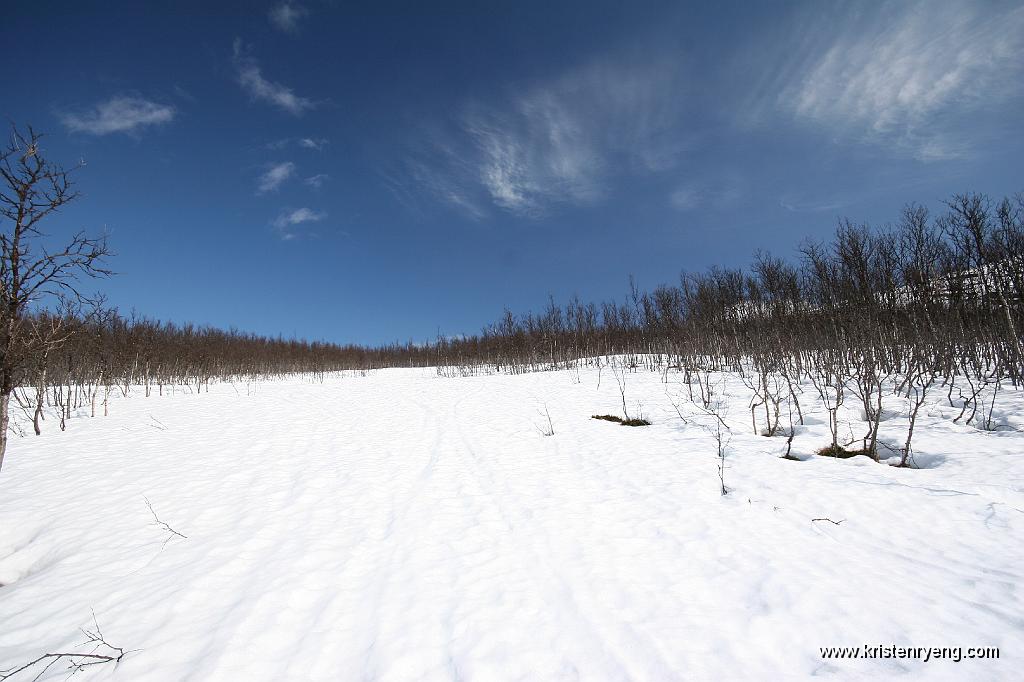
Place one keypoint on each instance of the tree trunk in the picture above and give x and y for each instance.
(37, 415)
(5, 417)
(40, 398)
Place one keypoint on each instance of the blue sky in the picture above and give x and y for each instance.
(387, 171)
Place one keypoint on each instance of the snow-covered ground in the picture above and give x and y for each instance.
(404, 526)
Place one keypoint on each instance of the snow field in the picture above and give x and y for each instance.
(403, 526)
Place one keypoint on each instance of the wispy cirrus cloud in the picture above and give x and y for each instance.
(251, 78)
(316, 181)
(289, 222)
(286, 16)
(903, 74)
(120, 114)
(438, 179)
(274, 177)
(557, 142)
(316, 143)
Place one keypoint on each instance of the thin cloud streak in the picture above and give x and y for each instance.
(317, 144)
(120, 114)
(286, 222)
(316, 181)
(250, 77)
(274, 177)
(286, 17)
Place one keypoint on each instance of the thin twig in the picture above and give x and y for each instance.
(76, 661)
(162, 524)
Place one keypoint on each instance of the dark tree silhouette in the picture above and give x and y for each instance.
(30, 273)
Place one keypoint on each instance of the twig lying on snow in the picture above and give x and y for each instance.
(76, 661)
(550, 430)
(829, 520)
(163, 525)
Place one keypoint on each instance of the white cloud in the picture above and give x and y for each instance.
(902, 74)
(286, 16)
(250, 77)
(316, 181)
(440, 183)
(121, 114)
(275, 176)
(504, 169)
(286, 222)
(558, 141)
(313, 143)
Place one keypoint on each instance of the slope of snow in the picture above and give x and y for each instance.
(402, 526)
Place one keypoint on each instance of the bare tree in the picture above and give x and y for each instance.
(46, 332)
(31, 274)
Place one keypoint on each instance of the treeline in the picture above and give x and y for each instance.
(72, 361)
(920, 281)
(927, 302)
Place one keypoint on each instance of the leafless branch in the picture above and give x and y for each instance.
(156, 519)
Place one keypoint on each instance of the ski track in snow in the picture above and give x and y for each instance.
(403, 526)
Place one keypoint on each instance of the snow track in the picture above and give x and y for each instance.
(401, 526)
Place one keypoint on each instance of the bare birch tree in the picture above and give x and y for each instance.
(31, 272)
